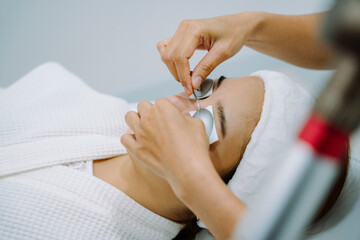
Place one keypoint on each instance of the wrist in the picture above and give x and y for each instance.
(255, 24)
(197, 181)
(206, 190)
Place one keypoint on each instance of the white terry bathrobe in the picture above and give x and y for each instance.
(48, 119)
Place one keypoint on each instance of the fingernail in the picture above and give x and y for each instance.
(197, 82)
(187, 91)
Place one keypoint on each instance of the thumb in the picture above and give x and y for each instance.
(210, 61)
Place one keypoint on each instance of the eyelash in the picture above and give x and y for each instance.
(219, 81)
(216, 86)
(205, 97)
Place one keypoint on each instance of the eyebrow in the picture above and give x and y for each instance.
(221, 115)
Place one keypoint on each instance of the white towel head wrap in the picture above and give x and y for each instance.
(285, 107)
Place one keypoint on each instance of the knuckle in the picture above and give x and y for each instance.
(123, 139)
(128, 115)
(142, 104)
(185, 22)
(163, 59)
(224, 53)
(166, 57)
(208, 68)
(158, 100)
(161, 102)
(179, 57)
(193, 25)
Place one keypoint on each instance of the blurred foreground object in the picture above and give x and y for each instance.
(315, 160)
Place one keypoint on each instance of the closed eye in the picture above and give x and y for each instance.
(221, 79)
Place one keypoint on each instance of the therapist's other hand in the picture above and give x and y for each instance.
(169, 142)
(221, 36)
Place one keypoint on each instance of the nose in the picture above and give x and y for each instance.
(183, 104)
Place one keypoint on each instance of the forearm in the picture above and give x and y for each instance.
(212, 201)
(294, 39)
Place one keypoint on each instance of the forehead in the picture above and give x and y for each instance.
(242, 100)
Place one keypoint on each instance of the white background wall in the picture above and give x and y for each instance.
(112, 43)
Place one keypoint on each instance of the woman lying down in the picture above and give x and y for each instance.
(65, 175)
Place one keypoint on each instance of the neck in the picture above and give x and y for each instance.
(142, 185)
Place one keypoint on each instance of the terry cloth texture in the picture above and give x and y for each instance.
(285, 106)
(50, 118)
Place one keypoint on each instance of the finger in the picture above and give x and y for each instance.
(143, 108)
(186, 114)
(210, 61)
(172, 68)
(166, 108)
(133, 120)
(129, 131)
(161, 49)
(183, 103)
(161, 46)
(129, 141)
(183, 94)
(167, 59)
(168, 54)
(182, 66)
(188, 45)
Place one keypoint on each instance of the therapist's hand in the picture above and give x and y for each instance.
(172, 144)
(222, 36)
(176, 147)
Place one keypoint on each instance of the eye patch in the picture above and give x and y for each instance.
(209, 125)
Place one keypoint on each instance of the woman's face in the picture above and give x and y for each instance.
(237, 105)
